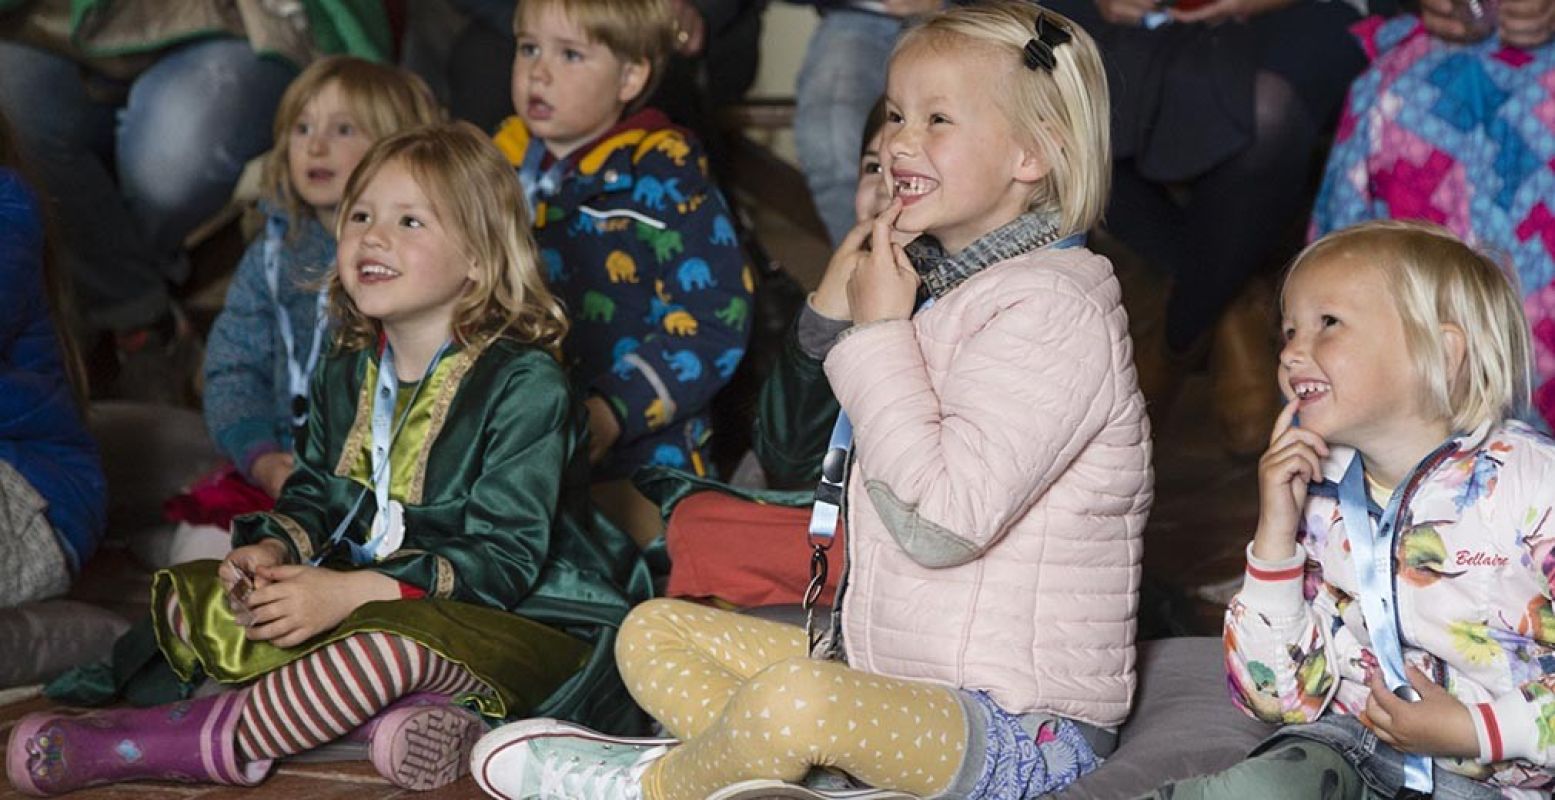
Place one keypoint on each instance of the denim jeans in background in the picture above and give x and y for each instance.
(129, 177)
(842, 76)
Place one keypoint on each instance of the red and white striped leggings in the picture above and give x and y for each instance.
(331, 691)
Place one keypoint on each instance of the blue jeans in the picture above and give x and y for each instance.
(842, 76)
(128, 178)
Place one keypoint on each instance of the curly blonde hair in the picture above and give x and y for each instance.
(474, 193)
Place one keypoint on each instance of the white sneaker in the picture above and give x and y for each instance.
(547, 759)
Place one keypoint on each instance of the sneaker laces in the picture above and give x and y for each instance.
(573, 779)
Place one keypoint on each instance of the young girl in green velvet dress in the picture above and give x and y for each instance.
(433, 540)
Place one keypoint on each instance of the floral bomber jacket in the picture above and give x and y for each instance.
(1473, 567)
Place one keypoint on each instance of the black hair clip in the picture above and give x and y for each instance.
(1039, 51)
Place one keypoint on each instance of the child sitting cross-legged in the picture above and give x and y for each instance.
(434, 540)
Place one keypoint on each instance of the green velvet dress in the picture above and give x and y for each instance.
(524, 587)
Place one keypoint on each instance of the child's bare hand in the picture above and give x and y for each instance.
(1525, 23)
(884, 285)
(271, 471)
(831, 297)
(1437, 724)
(1292, 462)
(248, 560)
(298, 603)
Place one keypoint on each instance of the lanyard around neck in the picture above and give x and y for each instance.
(826, 512)
(298, 372)
(385, 429)
(538, 185)
(1372, 553)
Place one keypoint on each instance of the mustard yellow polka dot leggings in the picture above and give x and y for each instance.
(747, 703)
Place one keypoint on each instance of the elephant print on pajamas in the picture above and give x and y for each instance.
(685, 364)
(723, 232)
(694, 273)
(597, 308)
(729, 361)
(735, 313)
(679, 322)
(620, 267)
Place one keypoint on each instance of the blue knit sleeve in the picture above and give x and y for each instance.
(240, 367)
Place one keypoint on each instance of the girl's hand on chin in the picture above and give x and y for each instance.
(884, 284)
(831, 297)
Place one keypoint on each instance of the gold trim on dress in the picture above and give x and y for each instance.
(445, 578)
(457, 369)
(359, 428)
(294, 531)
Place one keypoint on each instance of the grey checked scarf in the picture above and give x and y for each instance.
(941, 273)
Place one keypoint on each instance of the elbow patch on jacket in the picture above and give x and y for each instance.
(926, 542)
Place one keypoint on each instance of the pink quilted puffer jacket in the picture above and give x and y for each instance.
(1000, 488)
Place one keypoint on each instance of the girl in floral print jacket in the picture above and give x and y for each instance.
(1421, 390)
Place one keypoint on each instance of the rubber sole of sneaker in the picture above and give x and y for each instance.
(492, 746)
(425, 747)
(778, 790)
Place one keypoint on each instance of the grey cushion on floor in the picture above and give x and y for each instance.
(1183, 723)
(39, 641)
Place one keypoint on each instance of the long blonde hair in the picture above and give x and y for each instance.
(383, 99)
(1436, 279)
(474, 193)
(1063, 112)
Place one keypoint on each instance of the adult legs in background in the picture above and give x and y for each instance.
(127, 184)
(842, 76)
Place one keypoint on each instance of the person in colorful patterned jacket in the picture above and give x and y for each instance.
(1407, 356)
(636, 239)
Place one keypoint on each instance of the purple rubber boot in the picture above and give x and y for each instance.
(193, 741)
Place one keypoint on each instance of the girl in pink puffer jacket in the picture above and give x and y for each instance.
(998, 486)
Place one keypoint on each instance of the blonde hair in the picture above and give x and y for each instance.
(1435, 279)
(382, 99)
(474, 194)
(634, 30)
(1062, 112)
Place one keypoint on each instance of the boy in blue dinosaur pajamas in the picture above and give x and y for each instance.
(635, 238)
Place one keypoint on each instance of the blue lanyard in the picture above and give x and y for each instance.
(297, 373)
(385, 429)
(537, 185)
(1372, 554)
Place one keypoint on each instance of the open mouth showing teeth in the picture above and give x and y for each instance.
(914, 186)
(377, 271)
(1307, 391)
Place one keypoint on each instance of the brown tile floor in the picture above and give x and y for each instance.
(1206, 503)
